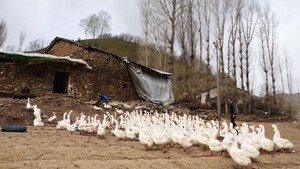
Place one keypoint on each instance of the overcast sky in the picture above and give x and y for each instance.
(50, 18)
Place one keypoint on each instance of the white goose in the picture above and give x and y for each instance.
(159, 136)
(100, 131)
(266, 144)
(68, 120)
(280, 143)
(175, 134)
(71, 128)
(36, 111)
(145, 136)
(126, 106)
(129, 133)
(106, 106)
(97, 108)
(88, 128)
(52, 119)
(104, 122)
(82, 122)
(184, 139)
(119, 133)
(238, 155)
(119, 111)
(227, 142)
(37, 122)
(203, 136)
(28, 106)
(253, 140)
(62, 124)
(251, 151)
(213, 144)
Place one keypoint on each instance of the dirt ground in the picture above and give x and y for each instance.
(46, 147)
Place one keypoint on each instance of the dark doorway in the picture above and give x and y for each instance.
(60, 84)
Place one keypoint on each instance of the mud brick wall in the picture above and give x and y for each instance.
(109, 76)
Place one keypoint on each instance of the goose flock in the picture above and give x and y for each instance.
(243, 144)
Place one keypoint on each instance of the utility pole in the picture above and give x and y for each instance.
(218, 81)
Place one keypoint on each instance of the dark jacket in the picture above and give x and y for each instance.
(232, 108)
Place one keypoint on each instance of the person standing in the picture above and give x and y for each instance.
(232, 109)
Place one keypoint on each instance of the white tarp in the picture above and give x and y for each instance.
(151, 87)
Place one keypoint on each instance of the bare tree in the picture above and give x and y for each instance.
(269, 25)
(192, 27)
(249, 23)
(10, 48)
(155, 34)
(289, 69)
(218, 80)
(84, 27)
(165, 41)
(200, 34)
(221, 8)
(241, 61)
(207, 9)
(146, 12)
(3, 32)
(235, 14)
(265, 66)
(104, 20)
(169, 11)
(36, 45)
(96, 24)
(241, 55)
(182, 39)
(21, 39)
(281, 74)
(237, 7)
(191, 23)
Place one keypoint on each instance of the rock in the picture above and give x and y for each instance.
(29, 158)
(55, 166)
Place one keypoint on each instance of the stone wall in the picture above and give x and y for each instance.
(36, 78)
(109, 76)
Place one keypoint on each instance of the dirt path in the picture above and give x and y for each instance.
(46, 147)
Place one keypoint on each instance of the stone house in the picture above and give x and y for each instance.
(83, 72)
